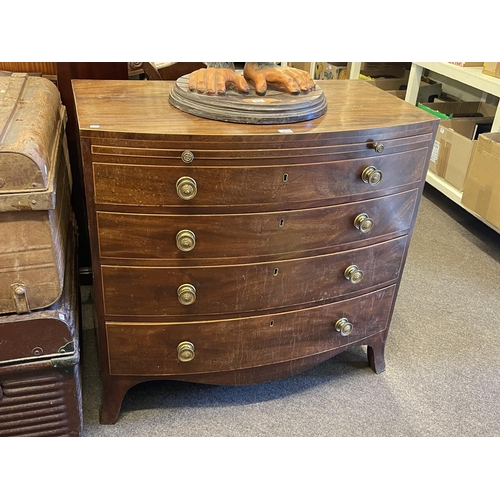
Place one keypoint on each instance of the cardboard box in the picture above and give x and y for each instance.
(445, 97)
(398, 93)
(398, 86)
(467, 64)
(492, 69)
(451, 156)
(456, 139)
(390, 83)
(482, 184)
(386, 69)
(467, 115)
(331, 71)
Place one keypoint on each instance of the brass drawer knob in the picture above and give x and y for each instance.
(371, 176)
(186, 188)
(185, 351)
(363, 223)
(353, 274)
(186, 240)
(187, 156)
(186, 294)
(378, 147)
(344, 327)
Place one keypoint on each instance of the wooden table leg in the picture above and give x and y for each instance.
(113, 392)
(376, 348)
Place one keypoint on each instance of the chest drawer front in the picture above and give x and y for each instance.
(162, 186)
(152, 349)
(252, 150)
(148, 236)
(154, 291)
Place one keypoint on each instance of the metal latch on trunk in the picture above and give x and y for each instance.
(20, 298)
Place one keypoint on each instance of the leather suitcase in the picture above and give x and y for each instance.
(40, 385)
(35, 188)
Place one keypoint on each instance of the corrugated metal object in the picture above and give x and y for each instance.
(40, 386)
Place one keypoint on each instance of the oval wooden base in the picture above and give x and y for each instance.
(273, 108)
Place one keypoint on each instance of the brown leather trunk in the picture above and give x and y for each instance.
(40, 387)
(35, 187)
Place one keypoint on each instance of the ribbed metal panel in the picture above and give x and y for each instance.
(44, 405)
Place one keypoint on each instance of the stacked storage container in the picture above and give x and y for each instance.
(40, 387)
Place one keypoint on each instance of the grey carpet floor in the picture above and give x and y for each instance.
(442, 356)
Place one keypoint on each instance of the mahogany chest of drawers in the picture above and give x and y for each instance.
(235, 254)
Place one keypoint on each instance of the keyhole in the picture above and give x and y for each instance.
(272, 323)
(282, 222)
(285, 177)
(276, 272)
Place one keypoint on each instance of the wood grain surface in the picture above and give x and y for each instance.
(151, 239)
(142, 108)
(151, 292)
(219, 187)
(223, 345)
(273, 218)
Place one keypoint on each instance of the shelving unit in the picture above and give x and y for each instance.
(471, 76)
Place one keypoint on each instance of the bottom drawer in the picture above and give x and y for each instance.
(234, 344)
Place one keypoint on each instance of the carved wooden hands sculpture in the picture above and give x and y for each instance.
(218, 77)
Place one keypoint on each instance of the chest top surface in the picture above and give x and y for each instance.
(114, 107)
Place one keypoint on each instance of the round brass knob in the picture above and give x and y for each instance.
(187, 156)
(186, 240)
(186, 188)
(185, 351)
(378, 147)
(344, 327)
(186, 294)
(353, 274)
(363, 223)
(371, 176)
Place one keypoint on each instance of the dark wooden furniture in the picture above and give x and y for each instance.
(235, 254)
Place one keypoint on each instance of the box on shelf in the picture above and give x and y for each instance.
(398, 93)
(428, 92)
(482, 184)
(331, 71)
(390, 83)
(397, 86)
(445, 97)
(386, 69)
(468, 64)
(456, 138)
(492, 69)
(465, 115)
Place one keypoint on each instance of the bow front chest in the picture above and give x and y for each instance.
(236, 254)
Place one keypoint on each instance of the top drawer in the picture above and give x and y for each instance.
(160, 185)
(250, 151)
